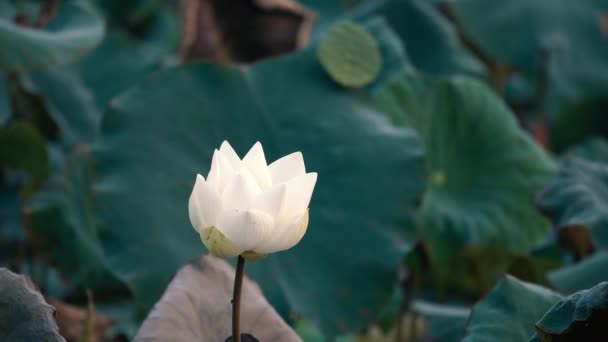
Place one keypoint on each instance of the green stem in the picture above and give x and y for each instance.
(236, 299)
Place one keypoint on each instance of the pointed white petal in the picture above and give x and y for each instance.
(228, 152)
(289, 236)
(210, 204)
(226, 172)
(287, 168)
(204, 205)
(240, 191)
(215, 175)
(246, 228)
(256, 163)
(299, 192)
(194, 211)
(272, 200)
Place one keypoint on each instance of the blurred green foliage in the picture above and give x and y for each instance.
(474, 120)
(509, 311)
(581, 315)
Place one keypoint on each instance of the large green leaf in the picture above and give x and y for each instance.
(75, 95)
(517, 31)
(430, 39)
(69, 102)
(582, 275)
(523, 33)
(394, 57)
(159, 134)
(29, 106)
(483, 169)
(75, 30)
(579, 317)
(121, 59)
(59, 216)
(509, 312)
(578, 196)
(576, 200)
(24, 315)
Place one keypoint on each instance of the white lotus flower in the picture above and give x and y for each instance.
(249, 208)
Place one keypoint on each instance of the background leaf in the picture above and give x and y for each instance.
(527, 34)
(578, 196)
(534, 26)
(483, 169)
(76, 30)
(579, 317)
(122, 60)
(430, 39)
(582, 275)
(576, 200)
(509, 312)
(69, 102)
(61, 220)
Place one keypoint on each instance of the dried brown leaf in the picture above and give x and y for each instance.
(196, 307)
(243, 31)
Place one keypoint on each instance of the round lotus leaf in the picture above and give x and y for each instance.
(471, 140)
(350, 55)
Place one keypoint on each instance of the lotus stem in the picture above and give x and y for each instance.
(236, 299)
